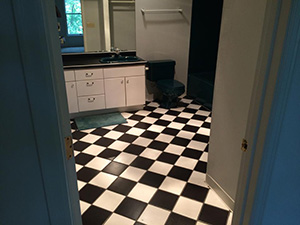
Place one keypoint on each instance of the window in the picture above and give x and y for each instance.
(73, 15)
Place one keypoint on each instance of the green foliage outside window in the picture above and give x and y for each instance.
(74, 19)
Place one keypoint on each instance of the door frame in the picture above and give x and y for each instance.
(37, 34)
(272, 44)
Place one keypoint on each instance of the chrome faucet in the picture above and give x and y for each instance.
(117, 51)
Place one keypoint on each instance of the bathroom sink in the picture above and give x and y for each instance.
(119, 59)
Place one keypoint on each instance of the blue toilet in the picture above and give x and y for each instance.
(162, 73)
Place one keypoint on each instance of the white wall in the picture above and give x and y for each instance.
(165, 35)
(240, 38)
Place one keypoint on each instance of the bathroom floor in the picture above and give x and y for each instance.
(150, 170)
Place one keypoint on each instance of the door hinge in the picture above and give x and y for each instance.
(69, 147)
(244, 146)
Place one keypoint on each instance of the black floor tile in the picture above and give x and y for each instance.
(152, 179)
(171, 131)
(149, 108)
(155, 115)
(164, 200)
(180, 141)
(74, 126)
(201, 167)
(109, 154)
(134, 149)
(195, 192)
(115, 168)
(136, 117)
(95, 216)
(175, 219)
(206, 125)
(191, 128)
(89, 193)
(162, 122)
(80, 145)
(202, 138)
(181, 120)
(189, 110)
(158, 145)
(168, 158)
(78, 135)
(138, 223)
(191, 153)
(180, 173)
(212, 215)
(149, 134)
(142, 163)
(83, 159)
(142, 125)
(122, 128)
(100, 131)
(128, 138)
(86, 174)
(206, 148)
(173, 113)
(131, 208)
(122, 186)
(199, 117)
(105, 142)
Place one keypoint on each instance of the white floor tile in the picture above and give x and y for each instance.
(142, 192)
(98, 163)
(185, 134)
(103, 180)
(150, 120)
(172, 185)
(196, 123)
(76, 153)
(202, 113)
(153, 104)
(142, 141)
(143, 113)
(213, 199)
(113, 134)
(204, 131)
(94, 150)
(229, 221)
(131, 123)
(135, 131)
(80, 184)
(176, 125)
(186, 115)
(178, 109)
(185, 100)
(160, 168)
(193, 106)
(84, 206)
(164, 138)
(174, 149)
(154, 215)
(126, 115)
(115, 219)
(90, 138)
(156, 128)
(197, 145)
(133, 173)
(119, 145)
(198, 179)
(110, 127)
(168, 117)
(208, 120)
(78, 167)
(204, 157)
(109, 200)
(186, 162)
(125, 158)
(160, 110)
(188, 207)
(150, 153)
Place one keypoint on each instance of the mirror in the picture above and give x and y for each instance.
(106, 25)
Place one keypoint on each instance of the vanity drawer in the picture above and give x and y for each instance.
(124, 71)
(92, 102)
(69, 75)
(89, 74)
(90, 87)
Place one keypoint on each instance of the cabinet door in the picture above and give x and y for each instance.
(135, 90)
(114, 92)
(72, 97)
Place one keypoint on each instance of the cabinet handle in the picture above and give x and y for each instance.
(91, 99)
(89, 84)
(127, 81)
(89, 74)
(72, 86)
(122, 81)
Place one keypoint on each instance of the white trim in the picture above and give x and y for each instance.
(106, 20)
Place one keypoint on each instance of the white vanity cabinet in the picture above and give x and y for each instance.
(105, 88)
(124, 86)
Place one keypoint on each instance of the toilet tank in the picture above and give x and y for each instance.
(160, 69)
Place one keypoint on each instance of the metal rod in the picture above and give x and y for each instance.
(161, 11)
(124, 2)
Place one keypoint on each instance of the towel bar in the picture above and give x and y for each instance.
(123, 2)
(161, 11)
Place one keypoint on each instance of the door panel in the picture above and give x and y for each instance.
(115, 92)
(135, 90)
(72, 97)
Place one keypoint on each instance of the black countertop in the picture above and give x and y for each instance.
(80, 60)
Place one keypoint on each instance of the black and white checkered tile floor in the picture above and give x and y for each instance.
(150, 170)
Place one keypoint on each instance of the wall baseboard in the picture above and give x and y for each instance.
(220, 191)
